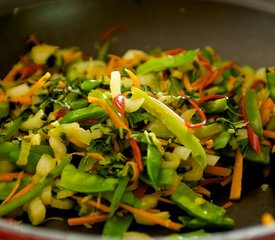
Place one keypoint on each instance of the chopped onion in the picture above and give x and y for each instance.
(115, 83)
(182, 152)
(212, 159)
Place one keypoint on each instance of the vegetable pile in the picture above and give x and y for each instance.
(122, 139)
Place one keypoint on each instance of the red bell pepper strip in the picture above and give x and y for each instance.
(107, 34)
(212, 76)
(137, 154)
(199, 110)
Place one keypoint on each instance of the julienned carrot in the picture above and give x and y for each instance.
(227, 205)
(230, 84)
(12, 73)
(135, 174)
(14, 189)
(151, 217)
(23, 191)
(201, 190)
(187, 84)
(236, 187)
(93, 203)
(115, 63)
(87, 219)
(218, 171)
(205, 62)
(226, 181)
(133, 78)
(212, 77)
(114, 117)
(268, 134)
(8, 177)
(40, 83)
(212, 180)
(23, 99)
(89, 154)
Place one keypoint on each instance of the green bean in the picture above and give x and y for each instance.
(88, 85)
(222, 140)
(215, 106)
(116, 226)
(195, 205)
(79, 181)
(12, 129)
(90, 112)
(4, 109)
(252, 111)
(271, 84)
(121, 187)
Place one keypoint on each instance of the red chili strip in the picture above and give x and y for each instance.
(174, 51)
(137, 154)
(212, 76)
(29, 70)
(199, 111)
(107, 34)
(205, 62)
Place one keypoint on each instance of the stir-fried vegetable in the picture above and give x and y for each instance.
(115, 139)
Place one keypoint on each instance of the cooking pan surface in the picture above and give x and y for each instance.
(238, 32)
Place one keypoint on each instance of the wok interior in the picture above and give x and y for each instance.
(242, 34)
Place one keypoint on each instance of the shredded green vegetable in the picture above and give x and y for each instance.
(114, 139)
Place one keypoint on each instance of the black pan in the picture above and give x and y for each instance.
(243, 31)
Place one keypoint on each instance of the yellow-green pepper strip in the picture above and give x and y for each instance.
(156, 64)
(175, 124)
(36, 190)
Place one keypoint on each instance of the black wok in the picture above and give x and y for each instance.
(243, 31)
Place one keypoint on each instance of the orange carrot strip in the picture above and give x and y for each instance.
(211, 180)
(165, 200)
(218, 171)
(23, 191)
(93, 203)
(187, 83)
(14, 189)
(12, 73)
(230, 84)
(40, 83)
(89, 154)
(201, 190)
(236, 186)
(8, 177)
(133, 78)
(87, 219)
(134, 167)
(151, 217)
(268, 134)
(226, 181)
(227, 205)
(114, 117)
(23, 100)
